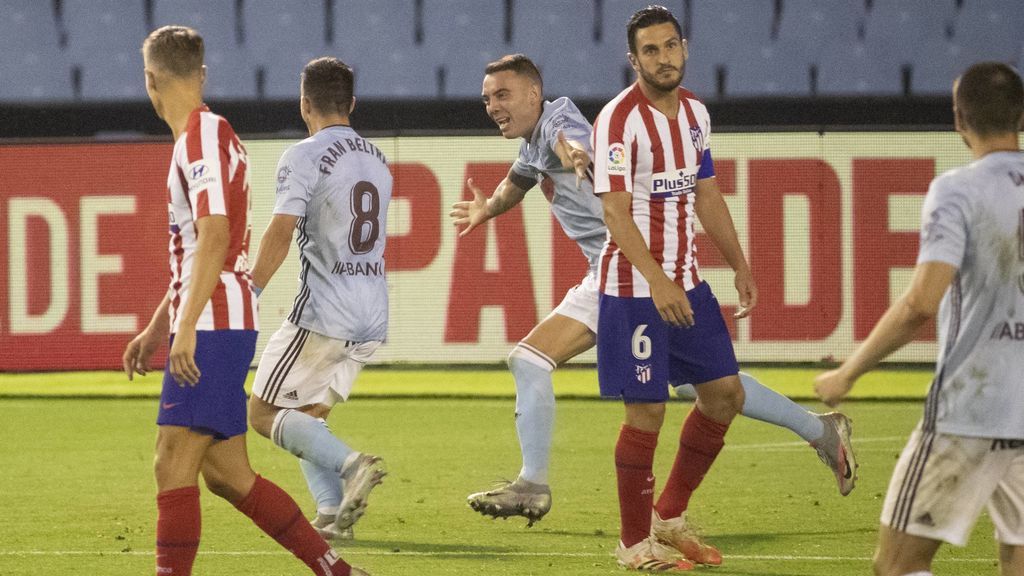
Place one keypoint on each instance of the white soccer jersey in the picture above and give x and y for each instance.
(578, 211)
(210, 175)
(639, 150)
(973, 218)
(339, 185)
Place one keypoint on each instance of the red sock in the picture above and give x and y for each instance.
(274, 511)
(634, 462)
(177, 531)
(699, 444)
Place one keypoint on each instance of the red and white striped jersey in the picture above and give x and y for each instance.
(209, 175)
(658, 160)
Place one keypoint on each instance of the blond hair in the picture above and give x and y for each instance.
(177, 50)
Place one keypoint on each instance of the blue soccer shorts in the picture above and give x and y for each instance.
(217, 404)
(639, 354)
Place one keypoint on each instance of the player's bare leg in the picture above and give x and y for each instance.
(899, 553)
(1011, 560)
(555, 340)
(179, 457)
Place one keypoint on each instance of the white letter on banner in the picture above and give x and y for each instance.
(93, 265)
(19, 211)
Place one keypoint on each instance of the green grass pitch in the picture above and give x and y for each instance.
(77, 495)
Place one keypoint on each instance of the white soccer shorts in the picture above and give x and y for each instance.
(942, 481)
(299, 368)
(581, 302)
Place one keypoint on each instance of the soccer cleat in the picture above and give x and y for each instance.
(324, 525)
(675, 532)
(519, 498)
(367, 472)
(836, 450)
(649, 555)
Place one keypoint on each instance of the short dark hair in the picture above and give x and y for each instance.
(518, 63)
(177, 50)
(649, 16)
(990, 98)
(329, 85)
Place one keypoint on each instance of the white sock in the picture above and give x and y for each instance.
(535, 409)
(324, 485)
(769, 406)
(310, 439)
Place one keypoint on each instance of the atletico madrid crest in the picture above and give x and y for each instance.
(643, 373)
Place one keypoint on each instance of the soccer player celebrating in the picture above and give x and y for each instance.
(334, 188)
(556, 150)
(968, 450)
(210, 314)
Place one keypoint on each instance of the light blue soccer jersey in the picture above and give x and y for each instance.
(339, 185)
(578, 211)
(973, 219)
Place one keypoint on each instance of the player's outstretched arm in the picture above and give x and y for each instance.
(897, 327)
(273, 249)
(138, 352)
(472, 213)
(573, 155)
(717, 222)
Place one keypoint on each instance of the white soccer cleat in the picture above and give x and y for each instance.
(361, 478)
(520, 498)
(675, 532)
(324, 525)
(835, 449)
(649, 555)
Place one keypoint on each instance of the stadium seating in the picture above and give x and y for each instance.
(936, 64)
(773, 69)
(231, 69)
(991, 29)
(104, 38)
(283, 37)
(461, 37)
(559, 37)
(860, 69)
(378, 39)
(32, 66)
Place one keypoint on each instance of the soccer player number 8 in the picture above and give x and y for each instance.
(365, 226)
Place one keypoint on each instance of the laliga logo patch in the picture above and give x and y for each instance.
(283, 174)
(616, 159)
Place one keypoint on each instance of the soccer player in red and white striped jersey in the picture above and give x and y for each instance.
(210, 316)
(658, 322)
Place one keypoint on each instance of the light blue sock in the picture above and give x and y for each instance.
(310, 439)
(535, 409)
(769, 406)
(324, 485)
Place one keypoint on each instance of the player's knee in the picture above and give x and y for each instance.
(261, 416)
(223, 486)
(721, 400)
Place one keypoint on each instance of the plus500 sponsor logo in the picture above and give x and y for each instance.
(673, 183)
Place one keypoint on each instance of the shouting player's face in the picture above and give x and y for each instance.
(661, 56)
(513, 102)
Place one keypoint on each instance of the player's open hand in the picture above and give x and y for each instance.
(137, 354)
(573, 156)
(832, 386)
(182, 360)
(747, 290)
(672, 304)
(470, 213)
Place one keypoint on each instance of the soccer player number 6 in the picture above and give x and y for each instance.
(641, 343)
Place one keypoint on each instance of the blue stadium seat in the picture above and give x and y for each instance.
(231, 69)
(215, 20)
(771, 69)
(104, 40)
(904, 24)
(936, 64)
(817, 25)
(860, 69)
(32, 66)
(725, 30)
(463, 36)
(990, 29)
(558, 36)
(378, 40)
(283, 37)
